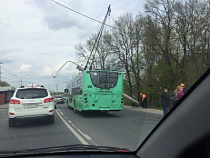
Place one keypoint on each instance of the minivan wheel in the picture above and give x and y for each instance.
(11, 122)
(51, 119)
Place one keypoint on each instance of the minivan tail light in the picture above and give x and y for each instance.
(14, 101)
(47, 100)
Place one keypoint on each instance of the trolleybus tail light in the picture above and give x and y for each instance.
(14, 101)
(51, 111)
(85, 94)
(122, 100)
(11, 113)
(93, 104)
(86, 101)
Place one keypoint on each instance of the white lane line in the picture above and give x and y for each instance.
(69, 121)
(60, 111)
(72, 130)
(85, 135)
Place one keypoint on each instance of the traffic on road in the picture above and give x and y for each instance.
(90, 128)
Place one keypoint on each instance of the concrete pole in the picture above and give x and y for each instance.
(130, 98)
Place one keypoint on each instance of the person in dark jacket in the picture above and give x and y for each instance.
(165, 101)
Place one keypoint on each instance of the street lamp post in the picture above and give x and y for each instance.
(18, 78)
(0, 70)
(78, 67)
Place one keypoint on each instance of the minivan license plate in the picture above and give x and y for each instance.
(30, 106)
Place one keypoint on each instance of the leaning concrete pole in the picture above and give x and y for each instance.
(130, 98)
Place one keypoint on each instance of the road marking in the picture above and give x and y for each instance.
(72, 130)
(60, 111)
(69, 121)
(85, 135)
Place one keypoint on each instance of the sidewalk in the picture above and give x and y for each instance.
(160, 112)
(4, 106)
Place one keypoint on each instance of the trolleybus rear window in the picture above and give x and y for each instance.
(104, 79)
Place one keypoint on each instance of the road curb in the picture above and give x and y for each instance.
(160, 112)
(4, 106)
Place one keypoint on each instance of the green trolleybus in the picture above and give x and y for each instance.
(96, 90)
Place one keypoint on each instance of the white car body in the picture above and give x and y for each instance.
(31, 103)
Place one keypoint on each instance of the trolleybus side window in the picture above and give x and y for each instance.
(76, 91)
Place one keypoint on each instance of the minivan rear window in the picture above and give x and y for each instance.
(31, 93)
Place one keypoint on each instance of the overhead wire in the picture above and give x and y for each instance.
(83, 14)
(97, 39)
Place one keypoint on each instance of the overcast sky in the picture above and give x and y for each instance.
(38, 36)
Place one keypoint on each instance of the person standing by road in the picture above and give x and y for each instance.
(143, 100)
(165, 101)
(180, 93)
(183, 86)
(174, 98)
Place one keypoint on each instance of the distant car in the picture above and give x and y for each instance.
(59, 99)
(31, 103)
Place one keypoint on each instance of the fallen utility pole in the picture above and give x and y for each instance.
(130, 99)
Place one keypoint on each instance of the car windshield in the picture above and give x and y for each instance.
(110, 70)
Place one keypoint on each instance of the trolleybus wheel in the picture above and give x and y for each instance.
(75, 110)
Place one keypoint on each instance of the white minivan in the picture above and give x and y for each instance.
(31, 103)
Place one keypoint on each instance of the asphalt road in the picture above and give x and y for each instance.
(124, 129)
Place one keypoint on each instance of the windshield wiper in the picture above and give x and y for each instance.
(68, 148)
(95, 148)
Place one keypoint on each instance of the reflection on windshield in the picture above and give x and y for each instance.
(162, 48)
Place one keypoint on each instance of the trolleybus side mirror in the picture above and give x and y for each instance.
(66, 90)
